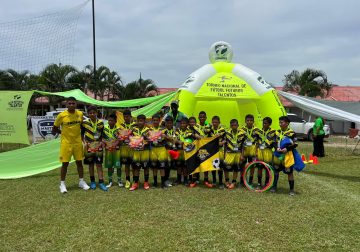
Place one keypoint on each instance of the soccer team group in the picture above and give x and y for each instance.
(141, 147)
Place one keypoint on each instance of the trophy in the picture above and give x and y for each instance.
(136, 142)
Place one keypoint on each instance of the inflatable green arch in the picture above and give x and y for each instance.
(229, 90)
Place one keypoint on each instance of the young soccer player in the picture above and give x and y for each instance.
(266, 143)
(141, 154)
(234, 138)
(170, 136)
(285, 131)
(92, 134)
(158, 152)
(194, 179)
(249, 146)
(183, 134)
(112, 150)
(71, 144)
(217, 130)
(126, 152)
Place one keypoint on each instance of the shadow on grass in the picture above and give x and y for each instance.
(334, 176)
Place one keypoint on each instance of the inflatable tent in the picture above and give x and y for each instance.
(229, 90)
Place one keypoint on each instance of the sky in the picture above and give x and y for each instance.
(166, 40)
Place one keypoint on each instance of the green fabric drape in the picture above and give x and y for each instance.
(80, 96)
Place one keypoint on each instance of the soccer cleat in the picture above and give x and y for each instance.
(231, 186)
(192, 185)
(127, 184)
(221, 186)
(83, 185)
(258, 187)
(93, 185)
(63, 188)
(120, 183)
(273, 190)
(134, 187)
(292, 193)
(227, 184)
(103, 187)
(146, 186)
(208, 185)
(109, 185)
(168, 183)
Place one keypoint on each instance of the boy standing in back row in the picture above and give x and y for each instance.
(71, 144)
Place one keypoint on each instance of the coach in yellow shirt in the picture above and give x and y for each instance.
(68, 124)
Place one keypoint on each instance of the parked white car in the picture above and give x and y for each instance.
(303, 129)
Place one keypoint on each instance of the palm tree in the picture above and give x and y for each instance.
(139, 89)
(56, 77)
(14, 80)
(310, 83)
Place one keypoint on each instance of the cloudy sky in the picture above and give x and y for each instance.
(166, 40)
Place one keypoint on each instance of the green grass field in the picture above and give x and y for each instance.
(323, 216)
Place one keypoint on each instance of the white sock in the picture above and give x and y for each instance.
(81, 179)
(62, 182)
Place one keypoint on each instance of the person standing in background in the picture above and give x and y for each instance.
(318, 137)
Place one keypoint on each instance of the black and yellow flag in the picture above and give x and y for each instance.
(204, 156)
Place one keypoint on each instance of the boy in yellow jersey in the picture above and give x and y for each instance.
(170, 136)
(68, 124)
(112, 150)
(158, 153)
(217, 130)
(285, 131)
(183, 134)
(249, 146)
(194, 179)
(141, 155)
(92, 135)
(125, 151)
(234, 137)
(266, 144)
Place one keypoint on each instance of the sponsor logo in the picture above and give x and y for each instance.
(45, 127)
(16, 103)
(224, 78)
(203, 154)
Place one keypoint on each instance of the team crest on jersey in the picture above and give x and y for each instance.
(203, 154)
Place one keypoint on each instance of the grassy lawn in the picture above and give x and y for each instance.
(323, 216)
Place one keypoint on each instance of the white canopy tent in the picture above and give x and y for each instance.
(320, 109)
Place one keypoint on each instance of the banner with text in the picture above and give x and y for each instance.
(13, 111)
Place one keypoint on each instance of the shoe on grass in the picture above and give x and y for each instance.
(292, 193)
(120, 183)
(208, 185)
(127, 184)
(231, 186)
(109, 185)
(134, 187)
(63, 188)
(93, 185)
(146, 186)
(192, 185)
(221, 186)
(103, 187)
(168, 183)
(273, 190)
(83, 185)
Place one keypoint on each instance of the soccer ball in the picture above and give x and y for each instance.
(220, 51)
(216, 163)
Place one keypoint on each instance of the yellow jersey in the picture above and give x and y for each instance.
(70, 124)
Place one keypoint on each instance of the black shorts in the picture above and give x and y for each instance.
(93, 160)
(283, 169)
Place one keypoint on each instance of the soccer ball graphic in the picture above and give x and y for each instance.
(220, 51)
(216, 163)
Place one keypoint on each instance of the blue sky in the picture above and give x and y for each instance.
(166, 40)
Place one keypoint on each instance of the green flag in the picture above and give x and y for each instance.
(13, 112)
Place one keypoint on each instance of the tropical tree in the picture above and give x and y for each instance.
(139, 89)
(14, 80)
(55, 77)
(310, 82)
